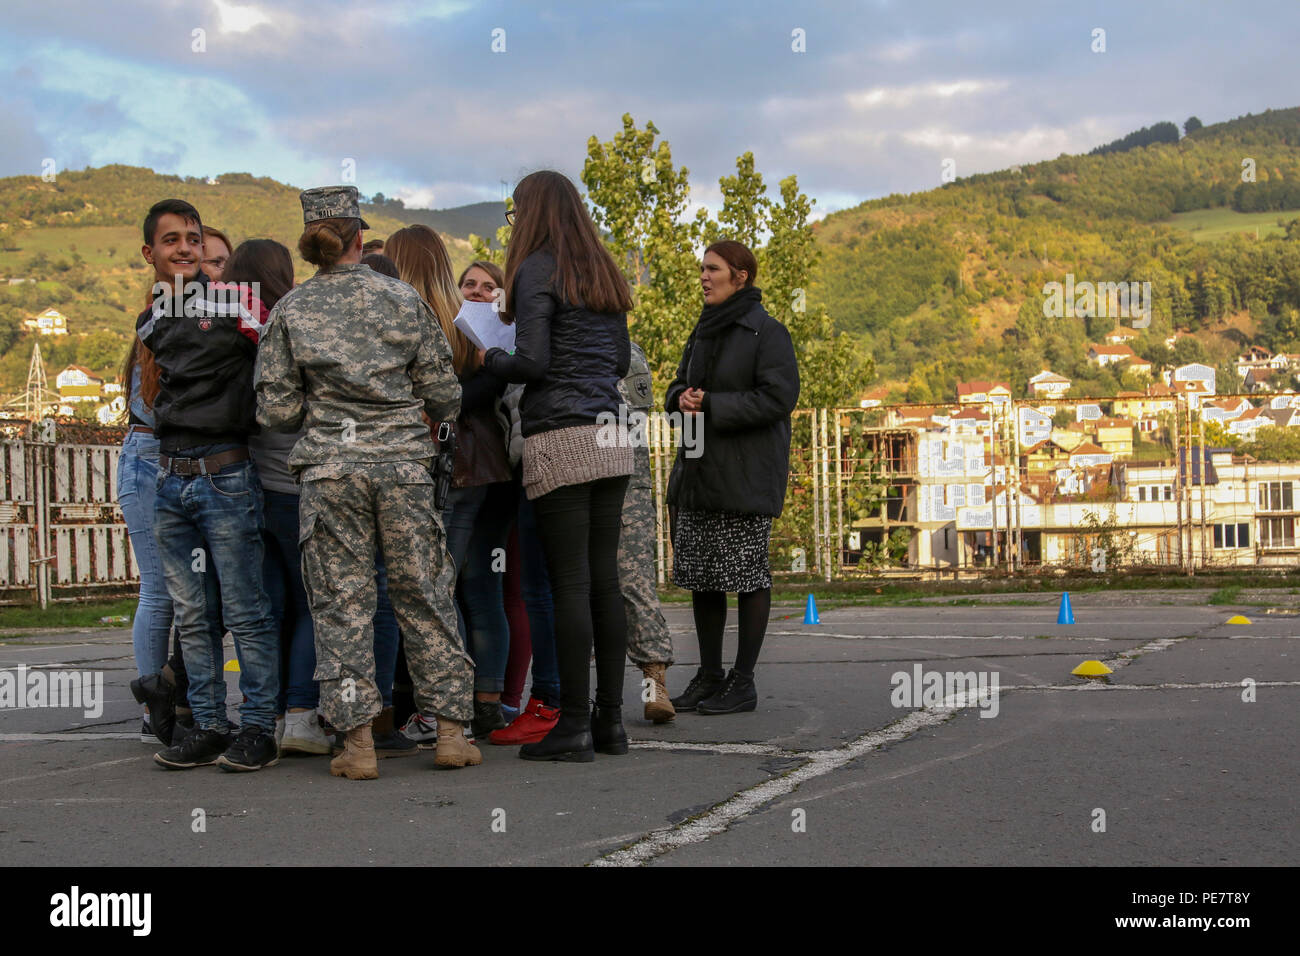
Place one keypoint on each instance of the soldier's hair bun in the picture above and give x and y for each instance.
(323, 242)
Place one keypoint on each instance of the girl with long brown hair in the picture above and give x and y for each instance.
(569, 303)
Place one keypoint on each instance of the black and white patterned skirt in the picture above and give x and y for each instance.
(721, 551)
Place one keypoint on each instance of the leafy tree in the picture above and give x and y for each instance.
(639, 198)
(1192, 125)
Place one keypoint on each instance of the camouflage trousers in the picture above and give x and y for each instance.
(648, 640)
(343, 519)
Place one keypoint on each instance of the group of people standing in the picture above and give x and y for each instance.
(280, 481)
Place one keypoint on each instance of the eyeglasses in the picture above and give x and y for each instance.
(510, 216)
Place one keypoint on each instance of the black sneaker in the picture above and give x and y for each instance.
(735, 696)
(487, 718)
(253, 749)
(200, 748)
(704, 684)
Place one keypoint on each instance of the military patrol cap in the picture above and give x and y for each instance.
(330, 202)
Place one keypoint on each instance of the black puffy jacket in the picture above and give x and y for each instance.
(745, 462)
(570, 358)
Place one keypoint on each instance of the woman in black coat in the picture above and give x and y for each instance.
(739, 372)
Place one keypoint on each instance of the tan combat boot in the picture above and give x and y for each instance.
(453, 749)
(659, 707)
(357, 762)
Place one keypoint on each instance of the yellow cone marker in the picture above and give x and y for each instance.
(1091, 669)
(231, 665)
(1238, 619)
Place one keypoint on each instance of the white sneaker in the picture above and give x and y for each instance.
(303, 734)
(421, 729)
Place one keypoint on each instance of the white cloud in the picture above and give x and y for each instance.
(237, 19)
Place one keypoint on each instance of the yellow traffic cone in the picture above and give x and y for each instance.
(1091, 669)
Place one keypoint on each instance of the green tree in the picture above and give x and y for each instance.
(639, 199)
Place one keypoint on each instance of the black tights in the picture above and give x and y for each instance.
(710, 609)
(579, 526)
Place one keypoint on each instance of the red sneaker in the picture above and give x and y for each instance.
(536, 721)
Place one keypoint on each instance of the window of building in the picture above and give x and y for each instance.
(1275, 496)
(1169, 493)
(1142, 492)
(1232, 535)
(1277, 533)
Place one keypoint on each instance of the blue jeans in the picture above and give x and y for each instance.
(535, 588)
(216, 521)
(282, 575)
(480, 601)
(137, 481)
(387, 634)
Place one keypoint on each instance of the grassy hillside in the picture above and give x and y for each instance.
(79, 238)
(947, 284)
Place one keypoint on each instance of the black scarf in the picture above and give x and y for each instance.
(714, 320)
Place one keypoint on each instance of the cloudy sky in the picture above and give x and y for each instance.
(414, 92)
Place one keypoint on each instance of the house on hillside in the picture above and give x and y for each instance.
(1034, 426)
(983, 393)
(1114, 435)
(1103, 355)
(1047, 384)
(1088, 454)
(1262, 380)
(1288, 400)
(1248, 423)
(873, 398)
(1141, 366)
(1045, 457)
(1120, 336)
(111, 412)
(1087, 412)
(1286, 417)
(76, 383)
(970, 421)
(1194, 372)
(49, 322)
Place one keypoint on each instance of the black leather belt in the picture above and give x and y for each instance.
(187, 467)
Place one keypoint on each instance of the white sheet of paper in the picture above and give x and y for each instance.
(483, 326)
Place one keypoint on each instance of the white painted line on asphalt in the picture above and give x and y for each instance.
(746, 802)
(1097, 685)
(55, 773)
(919, 637)
(112, 735)
(754, 750)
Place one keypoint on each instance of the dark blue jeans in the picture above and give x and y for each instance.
(215, 522)
(535, 588)
(282, 574)
(481, 518)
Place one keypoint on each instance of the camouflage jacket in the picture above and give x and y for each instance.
(636, 387)
(353, 357)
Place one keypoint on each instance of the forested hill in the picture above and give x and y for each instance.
(946, 285)
(79, 239)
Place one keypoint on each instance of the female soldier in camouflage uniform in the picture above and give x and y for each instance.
(359, 356)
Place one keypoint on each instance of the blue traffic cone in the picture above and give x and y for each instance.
(810, 611)
(1066, 614)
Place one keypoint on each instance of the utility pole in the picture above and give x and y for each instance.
(1205, 550)
(1178, 482)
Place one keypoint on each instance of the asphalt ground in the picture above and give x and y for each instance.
(1169, 761)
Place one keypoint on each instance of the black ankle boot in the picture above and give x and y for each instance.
(569, 739)
(158, 692)
(736, 695)
(702, 686)
(607, 733)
